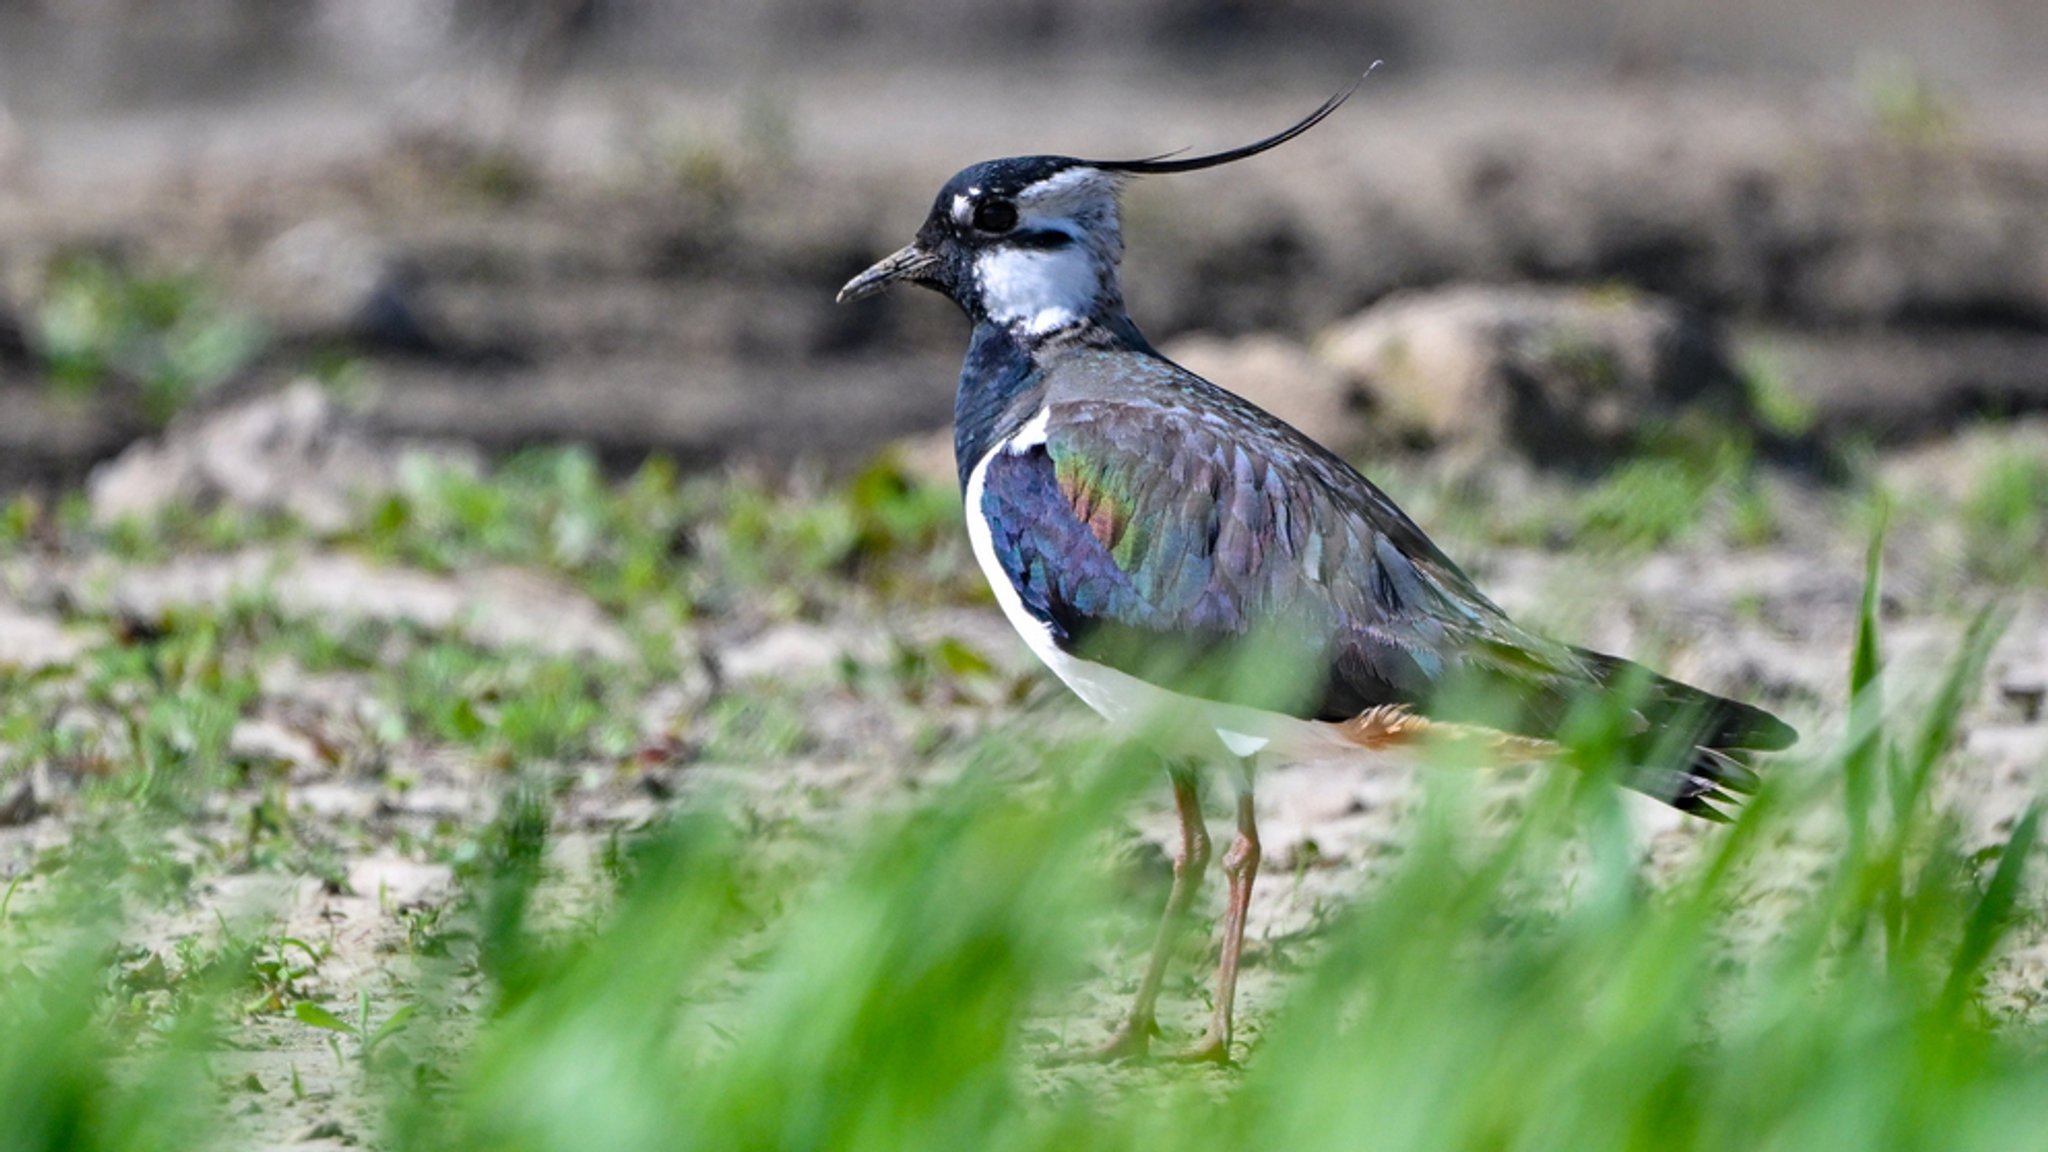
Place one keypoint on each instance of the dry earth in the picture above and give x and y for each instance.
(649, 268)
(386, 813)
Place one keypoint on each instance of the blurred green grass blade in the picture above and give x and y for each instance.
(393, 1023)
(1993, 914)
(1945, 713)
(70, 1083)
(308, 1012)
(1866, 704)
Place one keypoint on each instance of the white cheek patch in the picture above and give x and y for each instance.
(1041, 290)
(1069, 191)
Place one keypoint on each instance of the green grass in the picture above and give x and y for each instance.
(1511, 984)
(2005, 517)
(1825, 974)
(1690, 487)
(167, 333)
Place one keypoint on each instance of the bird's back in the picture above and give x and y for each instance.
(1171, 529)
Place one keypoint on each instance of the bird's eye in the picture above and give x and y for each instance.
(995, 216)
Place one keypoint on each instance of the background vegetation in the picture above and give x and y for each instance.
(488, 657)
(734, 973)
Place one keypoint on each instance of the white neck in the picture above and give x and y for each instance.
(1040, 291)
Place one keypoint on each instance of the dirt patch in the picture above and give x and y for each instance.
(508, 289)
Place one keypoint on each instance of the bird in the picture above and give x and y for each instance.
(1215, 582)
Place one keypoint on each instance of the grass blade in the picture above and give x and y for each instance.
(1993, 914)
(1945, 713)
(313, 1014)
(1866, 706)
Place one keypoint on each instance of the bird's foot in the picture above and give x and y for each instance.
(1212, 1048)
(1132, 1041)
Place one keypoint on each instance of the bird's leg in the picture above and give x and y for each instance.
(1241, 866)
(1133, 1038)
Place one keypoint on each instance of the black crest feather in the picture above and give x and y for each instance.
(1157, 165)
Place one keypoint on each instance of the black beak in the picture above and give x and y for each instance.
(907, 263)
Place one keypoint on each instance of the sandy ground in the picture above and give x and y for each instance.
(389, 817)
(601, 281)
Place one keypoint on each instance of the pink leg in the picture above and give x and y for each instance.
(1241, 866)
(1133, 1038)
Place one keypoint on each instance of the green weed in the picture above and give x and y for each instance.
(1512, 984)
(1508, 987)
(2005, 517)
(368, 1036)
(1827, 973)
(1644, 503)
(169, 334)
(1903, 102)
(1781, 409)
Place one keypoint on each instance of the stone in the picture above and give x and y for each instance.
(794, 650)
(327, 279)
(323, 1131)
(496, 608)
(1900, 387)
(31, 643)
(295, 452)
(926, 458)
(2025, 688)
(1563, 376)
(399, 881)
(14, 345)
(334, 803)
(263, 741)
(1282, 376)
(19, 804)
(247, 897)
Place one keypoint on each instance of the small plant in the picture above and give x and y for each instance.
(1776, 405)
(169, 334)
(549, 509)
(368, 1037)
(1903, 102)
(1644, 503)
(2005, 517)
(19, 518)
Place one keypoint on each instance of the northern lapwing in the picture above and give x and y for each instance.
(1189, 564)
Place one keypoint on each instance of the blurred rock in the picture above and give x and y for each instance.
(494, 608)
(18, 804)
(1561, 375)
(265, 741)
(398, 880)
(1904, 386)
(30, 643)
(334, 802)
(14, 349)
(1281, 376)
(791, 650)
(2025, 688)
(52, 437)
(2014, 752)
(328, 279)
(294, 452)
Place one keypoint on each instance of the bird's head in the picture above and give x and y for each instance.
(1032, 243)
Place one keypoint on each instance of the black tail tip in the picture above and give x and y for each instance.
(1710, 781)
(1752, 729)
